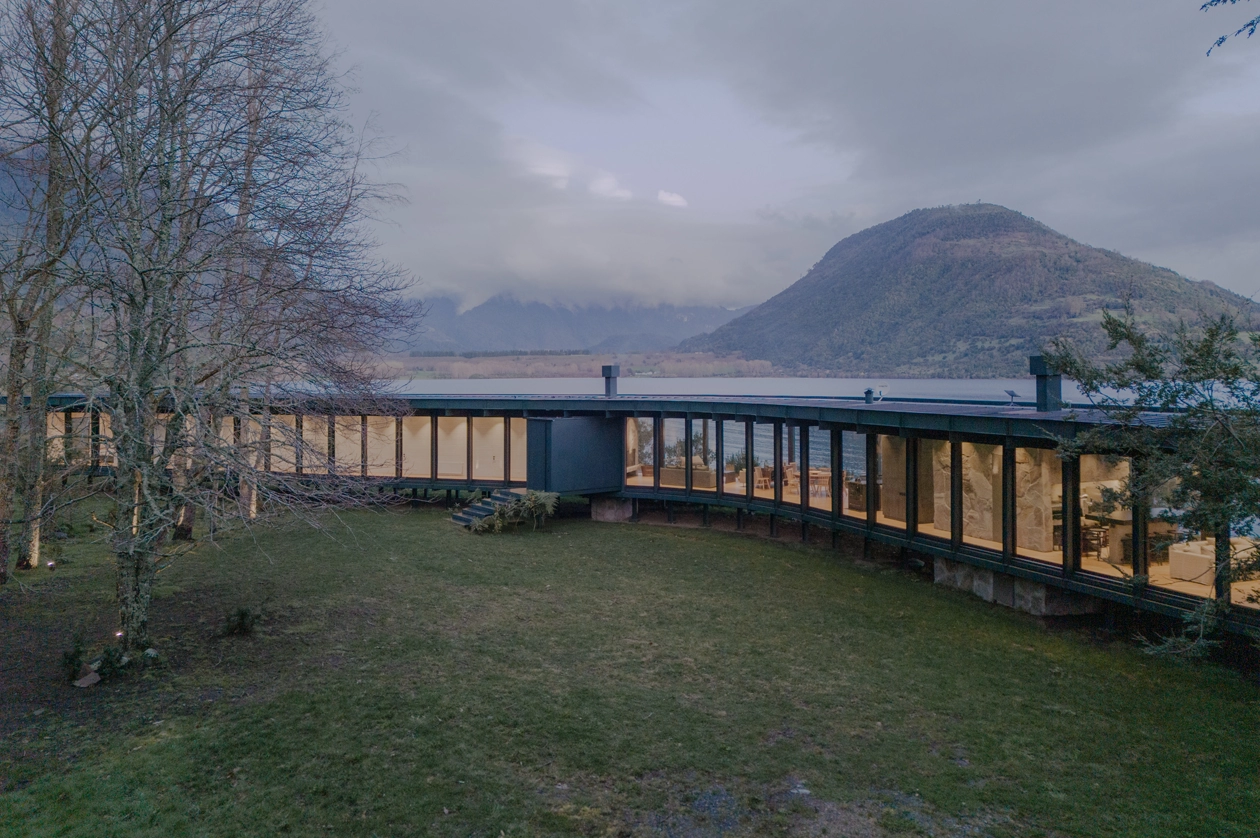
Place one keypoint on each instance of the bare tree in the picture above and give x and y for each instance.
(41, 137)
(225, 262)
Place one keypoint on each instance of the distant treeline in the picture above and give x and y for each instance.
(510, 353)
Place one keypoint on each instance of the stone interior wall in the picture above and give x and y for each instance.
(1038, 480)
(982, 491)
(892, 494)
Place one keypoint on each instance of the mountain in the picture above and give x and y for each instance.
(505, 323)
(958, 291)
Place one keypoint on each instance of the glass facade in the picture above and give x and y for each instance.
(487, 448)
(673, 453)
(520, 449)
(890, 482)
(934, 489)
(417, 446)
(1039, 504)
(314, 445)
(348, 445)
(763, 461)
(382, 446)
(1106, 525)
(853, 475)
(105, 440)
(452, 448)
(820, 469)
(982, 495)
(283, 444)
(703, 455)
(790, 465)
(735, 458)
(640, 456)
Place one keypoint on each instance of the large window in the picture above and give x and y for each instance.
(283, 444)
(487, 448)
(452, 448)
(640, 442)
(673, 453)
(982, 495)
(417, 446)
(1106, 525)
(105, 449)
(763, 461)
(382, 446)
(251, 444)
(820, 469)
(703, 455)
(735, 458)
(520, 449)
(348, 445)
(890, 497)
(934, 488)
(790, 465)
(314, 444)
(1039, 504)
(853, 475)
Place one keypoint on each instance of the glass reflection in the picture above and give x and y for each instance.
(1039, 504)
(673, 453)
(934, 488)
(820, 469)
(639, 452)
(703, 456)
(734, 458)
(982, 495)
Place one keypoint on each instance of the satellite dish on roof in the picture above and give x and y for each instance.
(1013, 396)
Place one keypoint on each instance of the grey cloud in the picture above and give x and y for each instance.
(1079, 113)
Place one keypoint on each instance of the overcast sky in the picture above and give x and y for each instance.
(710, 151)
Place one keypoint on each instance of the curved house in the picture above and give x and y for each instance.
(977, 486)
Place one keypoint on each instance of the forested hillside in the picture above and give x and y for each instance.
(966, 291)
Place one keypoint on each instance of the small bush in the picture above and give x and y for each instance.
(72, 659)
(240, 623)
(111, 663)
(532, 506)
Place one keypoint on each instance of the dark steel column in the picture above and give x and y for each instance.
(955, 493)
(687, 454)
(837, 467)
(748, 460)
(719, 454)
(363, 452)
(804, 461)
(468, 454)
(507, 452)
(1222, 564)
(297, 444)
(398, 447)
(777, 471)
(1071, 516)
(433, 445)
(657, 454)
(912, 487)
(872, 478)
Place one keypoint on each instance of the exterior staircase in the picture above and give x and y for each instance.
(485, 507)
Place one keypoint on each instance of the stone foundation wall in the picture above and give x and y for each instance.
(611, 510)
(1021, 594)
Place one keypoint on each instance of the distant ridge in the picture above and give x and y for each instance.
(505, 323)
(960, 291)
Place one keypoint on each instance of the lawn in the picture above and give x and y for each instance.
(408, 678)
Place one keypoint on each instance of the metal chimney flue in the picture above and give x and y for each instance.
(1049, 384)
(611, 371)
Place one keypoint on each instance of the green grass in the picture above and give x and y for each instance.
(408, 678)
